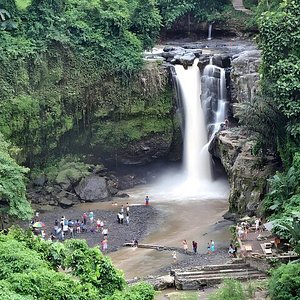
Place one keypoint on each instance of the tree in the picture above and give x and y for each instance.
(279, 40)
(285, 283)
(146, 22)
(29, 270)
(13, 200)
(200, 10)
(171, 10)
(293, 231)
(263, 119)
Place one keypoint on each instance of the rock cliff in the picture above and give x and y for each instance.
(247, 173)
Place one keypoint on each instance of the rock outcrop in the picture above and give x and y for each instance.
(180, 55)
(247, 173)
(244, 76)
(92, 188)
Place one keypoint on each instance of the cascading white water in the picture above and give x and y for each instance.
(209, 31)
(196, 160)
(214, 96)
(195, 181)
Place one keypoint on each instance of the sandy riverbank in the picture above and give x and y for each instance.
(165, 222)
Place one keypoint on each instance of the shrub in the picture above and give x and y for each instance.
(140, 291)
(231, 290)
(285, 283)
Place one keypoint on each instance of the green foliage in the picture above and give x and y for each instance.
(210, 10)
(92, 267)
(6, 22)
(69, 169)
(202, 10)
(15, 257)
(285, 283)
(12, 185)
(283, 186)
(26, 273)
(30, 270)
(291, 229)
(22, 4)
(280, 41)
(146, 22)
(231, 290)
(7, 293)
(250, 4)
(140, 291)
(172, 10)
(262, 117)
(282, 203)
(70, 63)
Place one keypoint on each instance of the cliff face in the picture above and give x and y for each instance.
(247, 173)
(62, 104)
(244, 76)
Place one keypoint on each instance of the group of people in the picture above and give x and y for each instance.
(121, 213)
(64, 228)
(243, 228)
(210, 247)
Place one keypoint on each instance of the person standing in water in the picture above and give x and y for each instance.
(147, 201)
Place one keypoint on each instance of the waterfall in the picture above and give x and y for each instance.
(214, 97)
(195, 180)
(209, 31)
(196, 160)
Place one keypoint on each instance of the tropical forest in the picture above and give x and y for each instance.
(150, 149)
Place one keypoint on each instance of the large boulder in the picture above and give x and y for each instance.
(187, 59)
(40, 180)
(92, 188)
(221, 60)
(65, 202)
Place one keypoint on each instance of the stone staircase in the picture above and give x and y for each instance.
(239, 5)
(198, 278)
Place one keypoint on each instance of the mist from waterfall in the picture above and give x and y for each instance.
(194, 180)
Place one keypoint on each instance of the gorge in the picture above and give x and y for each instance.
(164, 141)
(93, 119)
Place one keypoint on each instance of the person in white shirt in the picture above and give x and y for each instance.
(105, 232)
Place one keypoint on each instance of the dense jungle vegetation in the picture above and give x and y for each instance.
(278, 107)
(32, 268)
(68, 66)
(278, 128)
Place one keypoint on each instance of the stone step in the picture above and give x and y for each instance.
(214, 268)
(222, 276)
(214, 273)
(200, 283)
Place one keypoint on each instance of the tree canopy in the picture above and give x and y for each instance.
(13, 200)
(32, 268)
